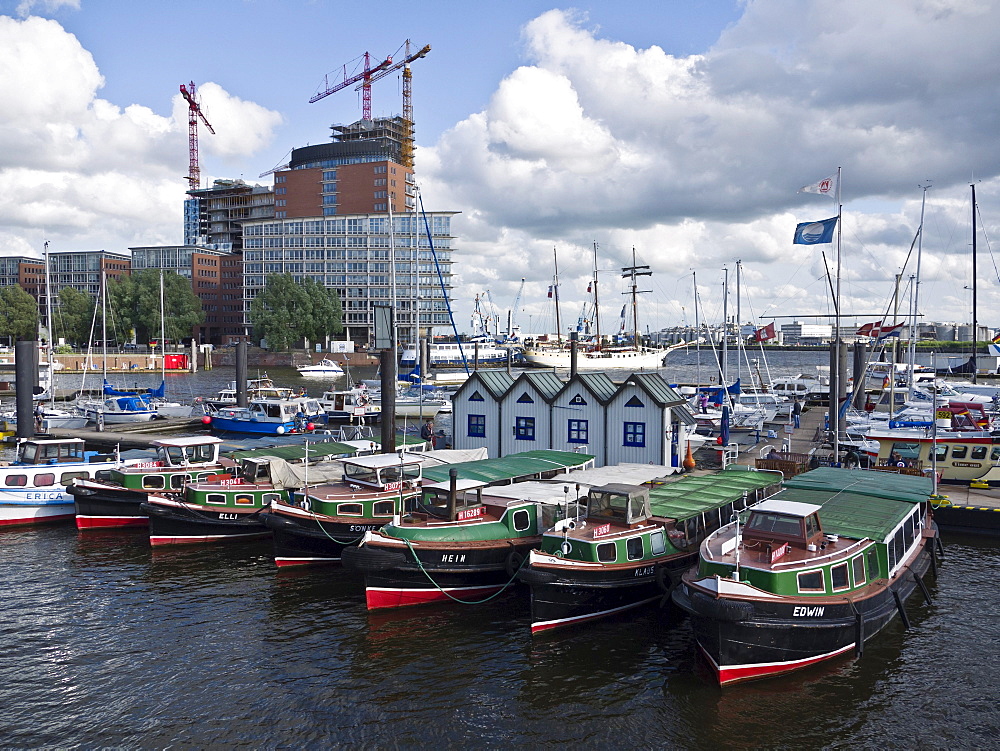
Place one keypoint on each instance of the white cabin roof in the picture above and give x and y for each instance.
(792, 508)
(186, 441)
(378, 461)
(461, 483)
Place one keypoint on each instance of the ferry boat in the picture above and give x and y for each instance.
(633, 543)
(35, 487)
(461, 542)
(114, 501)
(326, 518)
(454, 355)
(811, 573)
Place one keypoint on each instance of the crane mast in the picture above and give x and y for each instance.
(194, 114)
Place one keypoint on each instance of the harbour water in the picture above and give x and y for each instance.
(108, 643)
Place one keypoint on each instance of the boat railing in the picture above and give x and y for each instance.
(836, 553)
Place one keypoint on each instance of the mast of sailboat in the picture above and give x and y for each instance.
(104, 326)
(555, 292)
(975, 318)
(597, 309)
(724, 374)
(739, 333)
(631, 272)
(48, 322)
(697, 327)
(914, 298)
(163, 335)
(835, 377)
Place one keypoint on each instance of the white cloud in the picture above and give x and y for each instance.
(83, 172)
(696, 160)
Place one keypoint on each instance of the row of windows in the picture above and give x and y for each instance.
(814, 581)
(320, 241)
(42, 480)
(607, 552)
(578, 431)
(406, 224)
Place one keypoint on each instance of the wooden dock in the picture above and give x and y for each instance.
(133, 435)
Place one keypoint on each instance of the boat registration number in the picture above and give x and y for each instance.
(470, 513)
(975, 465)
(602, 530)
(393, 485)
(146, 465)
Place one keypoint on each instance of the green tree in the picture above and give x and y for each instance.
(18, 313)
(73, 316)
(287, 311)
(135, 304)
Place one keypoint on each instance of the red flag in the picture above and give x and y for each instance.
(869, 328)
(550, 290)
(765, 333)
(588, 287)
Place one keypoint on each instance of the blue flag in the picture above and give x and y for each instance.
(815, 233)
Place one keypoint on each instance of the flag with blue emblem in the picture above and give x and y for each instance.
(815, 233)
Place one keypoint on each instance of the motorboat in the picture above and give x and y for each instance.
(325, 368)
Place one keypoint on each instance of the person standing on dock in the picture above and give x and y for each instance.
(796, 412)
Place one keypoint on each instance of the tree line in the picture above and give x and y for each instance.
(284, 313)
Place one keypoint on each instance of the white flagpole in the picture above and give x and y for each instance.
(835, 398)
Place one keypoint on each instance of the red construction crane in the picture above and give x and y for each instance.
(365, 76)
(194, 112)
(407, 155)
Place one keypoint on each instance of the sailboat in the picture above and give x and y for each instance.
(599, 357)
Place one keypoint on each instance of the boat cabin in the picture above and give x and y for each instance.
(189, 451)
(776, 523)
(55, 451)
(618, 503)
(382, 472)
(435, 497)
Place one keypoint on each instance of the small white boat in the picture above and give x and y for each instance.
(121, 409)
(325, 367)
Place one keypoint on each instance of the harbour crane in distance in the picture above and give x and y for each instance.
(513, 330)
(365, 77)
(194, 114)
(407, 146)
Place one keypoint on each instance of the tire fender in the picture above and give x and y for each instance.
(513, 563)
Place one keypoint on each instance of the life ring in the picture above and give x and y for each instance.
(900, 464)
(362, 400)
(513, 563)
(566, 547)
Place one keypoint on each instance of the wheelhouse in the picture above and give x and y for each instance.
(382, 472)
(52, 451)
(618, 503)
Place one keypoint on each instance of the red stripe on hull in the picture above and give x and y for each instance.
(110, 522)
(283, 562)
(401, 598)
(727, 675)
(202, 538)
(35, 520)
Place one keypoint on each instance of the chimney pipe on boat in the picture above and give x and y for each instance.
(574, 339)
(452, 493)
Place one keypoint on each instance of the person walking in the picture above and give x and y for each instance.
(796, 412)
(427, 432)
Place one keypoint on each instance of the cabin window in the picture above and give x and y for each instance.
(838, 577)
(524, 428)
(217, 498)
(104, 475)
(477, 426)
(635, 434)
(959, 452)
(202, 453)
(766, 522)
(607, 553)
(872, 561)
(16, 481)
(270, 498)
(175, 455)
(400, 472)
(896, 549)
(44, 481)
(349, 509)
(858, 566)
(657, 542)
(578, 431)
(243, 499)
(177, 481)
(906, 450)
(978, 453)
(153, 482)
(67, 477)
(995, 454)
(384, 508)
(525, 398)
(941, 452)
(812, 525)
(522, 520)
(811, 581)
(633, 548)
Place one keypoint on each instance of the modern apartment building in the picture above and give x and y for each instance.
(215, 279)
(365, 259)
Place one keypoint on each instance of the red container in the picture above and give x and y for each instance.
(175, 362)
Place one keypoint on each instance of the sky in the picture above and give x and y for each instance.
(677, 133)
